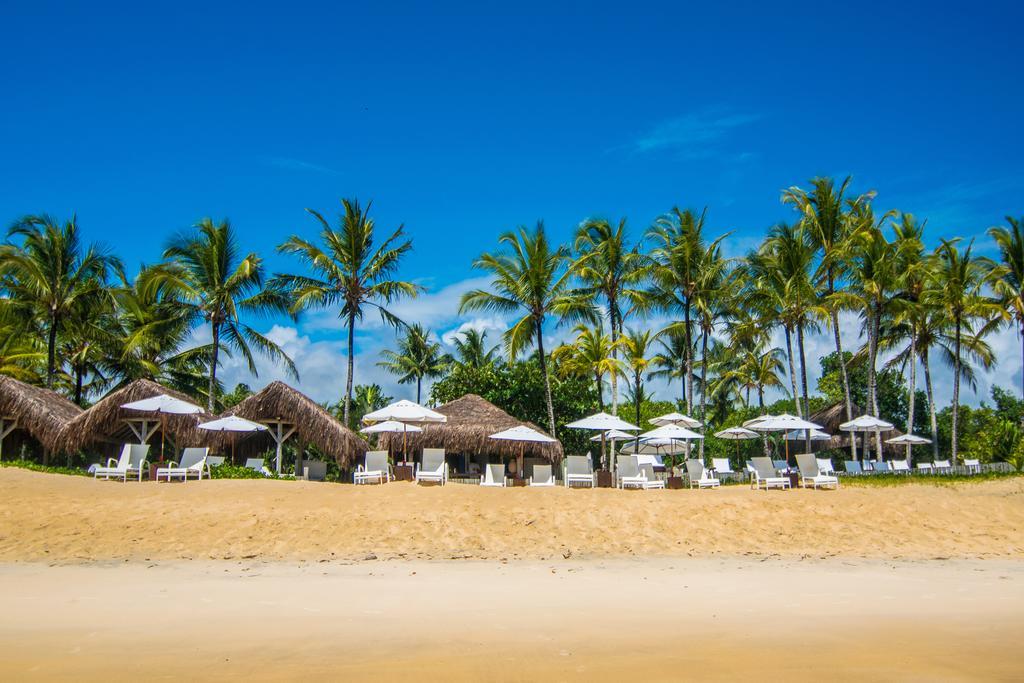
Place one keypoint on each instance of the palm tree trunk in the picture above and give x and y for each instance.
(689, 361)
(843, 373)
(792, 368)
(600, 392)
(547, 380)
(760, 405)
(637, 382)
(419, 384)
(877, 321)
(703, 385)
(211, 390)
(1022, 360)
(931, 403)
(956, 389)
(913, 393)
(803, 383)
(79, 377)
(615, 357)
(351, 366)
(51, 353)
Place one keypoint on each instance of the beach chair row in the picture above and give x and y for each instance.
(194, 463)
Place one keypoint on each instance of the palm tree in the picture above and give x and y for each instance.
(205, 277)
(532, 278)
(590, 355)
(365, 399)
(636, 344)
(50, 274)
(1008, 280)
(349, 272)
(958, 279)
(473, 352)
(612, 270)
(21, 354)
(760, 370)
(671, 360)
(418, 357)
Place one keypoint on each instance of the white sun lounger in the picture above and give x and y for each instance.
(191, 464)
(651, 480)
(973, 465)
(258, 465)
(700, 476)
(811, 474)
(375, 468)
(825, 466)
(924, 467)
(494, 475)
(628, 474)
(132, 462)
(854, 467)
(900, 466)
(764, 475)
(780, 465)
(721, 466)
(578, 470)
(880, 467)
(542, 476)
(943, 466)
(433, 468)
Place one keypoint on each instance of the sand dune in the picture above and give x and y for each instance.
(75, 519)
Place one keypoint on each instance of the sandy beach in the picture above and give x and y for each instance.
(264, 580)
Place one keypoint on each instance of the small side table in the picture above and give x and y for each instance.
(604, 479)
(517, 481)
(674, 483)
(404, 473)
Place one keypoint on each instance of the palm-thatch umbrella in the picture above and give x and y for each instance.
(42, 414)
(471, 420)
(287, 412)
(108, 422)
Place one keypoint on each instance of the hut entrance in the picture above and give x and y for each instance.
(7, 425)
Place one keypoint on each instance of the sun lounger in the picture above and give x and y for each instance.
(825, 466)
(433, 468)
(780, 465)
(880, 467)
(542, 476)
(721, 466)
(578, 470)
(260, 465)
(494, 475)
(764, 475)
(942, 466)
(811, 474)
(651, 480)
(375, 468)
(699, 476)
(628, 474)
(853, 467)
(214, 460)
(132, 462)
(900, 466)
(973, 465)
(191, 464)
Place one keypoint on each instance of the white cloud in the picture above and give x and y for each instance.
(693, 132)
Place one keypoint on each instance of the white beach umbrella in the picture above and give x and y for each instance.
(162, 404)
(867, 424)
(780, 423)
(525, 435)
(801, 435)
(233, 423)
(675, 419)
(602, 422)
(654, 447)
(613, 434)
(389, 426)
(407, 412)
(737, 434)
(671, 431)
(909, 440)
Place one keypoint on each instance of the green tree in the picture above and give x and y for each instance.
(235, 396)
(349, 273)
(366, 398)
(418, 357)
(471, 349)
(1008, 279)
(590, 355)
(636, 345)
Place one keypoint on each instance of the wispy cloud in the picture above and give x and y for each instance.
(693, 133)
(298, 165)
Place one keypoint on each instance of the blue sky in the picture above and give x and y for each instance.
(462, 121)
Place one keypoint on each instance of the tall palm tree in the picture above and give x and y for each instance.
(349, 272)
(636, 345)
(21, 354)
(206, 277)
(612, 270)
(1008, 280)
(671, 360)
(958, 279)
(50, 274)
(531, 278)
(418, 357)
(907, 308)
(590, 355)
(472, 349)
(760, 370)
(365, 399)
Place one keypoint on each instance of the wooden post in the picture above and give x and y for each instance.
(279, 435)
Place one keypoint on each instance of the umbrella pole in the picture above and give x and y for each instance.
(405, 444)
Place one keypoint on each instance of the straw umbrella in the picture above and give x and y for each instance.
(161, 404)
(406, 412)
(602, 422)
(867, 424)
(780, 423)
(235, 424)
(524, 435)
(736, 434)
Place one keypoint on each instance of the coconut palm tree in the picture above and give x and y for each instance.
(365, 399)
(612, 270)
(349, 273)
(50, 274)
(958, 279)
(205, 276)
(532, 278)
(21, 354)
(1008, 280)
(671, 360)
(418, 357)
(636, 345)
(760, 370)
(472, 349)
(590, 355)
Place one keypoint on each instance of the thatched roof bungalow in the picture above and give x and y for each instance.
(834, 415)
(471, 420)
(35, 413)
(278, 405)
(106, 422)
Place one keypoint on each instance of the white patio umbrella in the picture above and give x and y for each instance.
(233, 423)
(908, 440)
(390, 427)
(867, 424)
(671, 432)
(602, 422)
(613, 434)
(816, 435)
(524, 435)
(736, 434)
(162, 404)
(675, 419)
(406, 412)
(780, 423)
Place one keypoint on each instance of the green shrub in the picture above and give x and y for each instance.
(36, 467)
(227, 471)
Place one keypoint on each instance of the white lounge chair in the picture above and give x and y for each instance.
(764, 475)
(214, 460)
(494, 475)
(375, 468)
(854, 467)
(191, 464)
(880, 467)
(578, 470)
(651, 480)
(924, 467)
(699, 476)
(721, 466)
(780, 465)
(973, 465)
(825, 466)
(433, 468)
(811, 474)
(900, 466)
(628, 474)
(542, 476)
(132, 462)
(258, 465)
(943, 466)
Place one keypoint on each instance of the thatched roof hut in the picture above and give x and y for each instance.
(471, 420)
(314, 426)
(834, 415)
(106, 421)
(39, 413)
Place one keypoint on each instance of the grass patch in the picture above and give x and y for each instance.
(889, 480)
(227, 471)
(50, 469)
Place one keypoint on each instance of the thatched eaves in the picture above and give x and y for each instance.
(471, 421)
(41, 413)
(834, 415)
